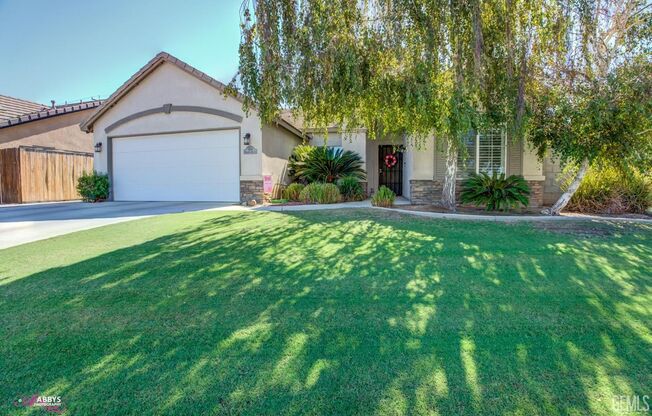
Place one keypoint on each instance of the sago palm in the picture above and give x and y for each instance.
(323, 164)
(495, 192)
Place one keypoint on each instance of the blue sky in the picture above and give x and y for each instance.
(68, 50)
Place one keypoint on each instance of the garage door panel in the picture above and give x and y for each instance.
(200, 166)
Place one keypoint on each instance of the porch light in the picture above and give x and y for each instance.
(247, 139)
(98, 147)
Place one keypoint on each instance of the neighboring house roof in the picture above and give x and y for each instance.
(47, 112)
(11, 107)
(159, 59)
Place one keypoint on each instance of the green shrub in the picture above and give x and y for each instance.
(384, 197)
(320, 193)
(323, 164)
(293, 191)
(609, 190)
(495, 192)
(350, 188)
(93, 187)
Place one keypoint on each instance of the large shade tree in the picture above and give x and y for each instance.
(423, 68)
(592, 103)
(570, 75)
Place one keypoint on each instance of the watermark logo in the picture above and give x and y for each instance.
(52, 404)
(631, 404)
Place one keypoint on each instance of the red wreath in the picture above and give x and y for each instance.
(390, 161)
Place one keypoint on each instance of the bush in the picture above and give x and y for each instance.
(384, 197)
(323, 164)
(293, 191)
(350, 188)
(320, 193)
(93, 187)
(609, 190)
(495, 192)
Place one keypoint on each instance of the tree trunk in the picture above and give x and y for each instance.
(448, 190)
(566, 197)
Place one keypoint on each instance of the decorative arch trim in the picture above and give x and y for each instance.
(169, 108)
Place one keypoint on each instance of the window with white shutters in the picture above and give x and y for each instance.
(485, 152)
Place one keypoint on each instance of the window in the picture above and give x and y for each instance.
(485, 153)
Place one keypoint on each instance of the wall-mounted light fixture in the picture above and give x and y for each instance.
(246, 139)
(98, 147)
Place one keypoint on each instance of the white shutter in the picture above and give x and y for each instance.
(491, 152)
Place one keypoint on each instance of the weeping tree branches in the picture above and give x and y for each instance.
(426, 68)
(593, 101)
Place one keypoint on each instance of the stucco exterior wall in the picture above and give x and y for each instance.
(60, 132)
(277, 147)
(168, 84)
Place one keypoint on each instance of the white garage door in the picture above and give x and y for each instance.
(200, 166)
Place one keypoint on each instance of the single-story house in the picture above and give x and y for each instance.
(171, 133)
(25, 123)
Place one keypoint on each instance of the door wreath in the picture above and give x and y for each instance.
(390, 161)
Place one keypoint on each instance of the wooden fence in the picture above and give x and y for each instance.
(38, 175)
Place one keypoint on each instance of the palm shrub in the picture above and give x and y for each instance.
(93, 187)
(293, 191)
(320, 193)
(384, 197)
(495, 192)
(324, 164)
(350, 188)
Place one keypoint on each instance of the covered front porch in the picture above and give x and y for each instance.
(416, 173)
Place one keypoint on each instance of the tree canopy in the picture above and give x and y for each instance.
(441, 68)
(419, 67)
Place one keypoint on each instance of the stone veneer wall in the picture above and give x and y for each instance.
(251, 190)
(536, 193)
(429, 192)
(425, 191)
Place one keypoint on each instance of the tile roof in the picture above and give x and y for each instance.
(149, 67)
(47, 112)
(11, 107)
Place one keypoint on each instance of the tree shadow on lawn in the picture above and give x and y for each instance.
(337, 313)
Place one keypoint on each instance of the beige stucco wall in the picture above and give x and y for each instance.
(532, 166)
(355, 141)
(169, 84)
(278, 144)
(423, 159)
(61, 132)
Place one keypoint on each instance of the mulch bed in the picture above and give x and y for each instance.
(469, 210)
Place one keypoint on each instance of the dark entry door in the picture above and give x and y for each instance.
(390, 173)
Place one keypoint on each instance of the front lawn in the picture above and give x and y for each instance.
(328, 312)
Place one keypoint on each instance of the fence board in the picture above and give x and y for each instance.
(38, 175)
(10, 176)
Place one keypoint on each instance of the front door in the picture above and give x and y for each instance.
(390, 162)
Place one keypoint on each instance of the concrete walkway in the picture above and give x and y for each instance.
(450, 216)
(356, 204)
(25, 223)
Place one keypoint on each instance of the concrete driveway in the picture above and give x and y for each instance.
(21, 224)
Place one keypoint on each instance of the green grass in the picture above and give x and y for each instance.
(327, 312)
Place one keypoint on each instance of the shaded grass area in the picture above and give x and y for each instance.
(327, 312)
